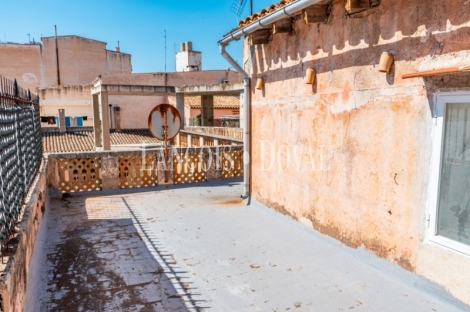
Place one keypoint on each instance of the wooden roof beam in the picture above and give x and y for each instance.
(436, 72)
(317, 13)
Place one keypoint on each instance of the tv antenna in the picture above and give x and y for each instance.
(29, 38)
(239, 5)
(165, 50)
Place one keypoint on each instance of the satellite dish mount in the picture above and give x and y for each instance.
(164, 124)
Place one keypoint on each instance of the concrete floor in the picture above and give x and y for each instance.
(199, 248)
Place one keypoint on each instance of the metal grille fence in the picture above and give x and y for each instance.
(20, 152)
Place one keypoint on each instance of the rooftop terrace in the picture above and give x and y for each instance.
(198, 247)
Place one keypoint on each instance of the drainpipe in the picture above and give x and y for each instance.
(246, 120)
(57, 56)
(289, 10)
(111, 116)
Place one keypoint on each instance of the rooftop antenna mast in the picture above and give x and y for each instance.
(165, 50)
(174, 56)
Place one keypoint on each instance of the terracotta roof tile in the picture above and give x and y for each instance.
(82, 140)
(250, 19)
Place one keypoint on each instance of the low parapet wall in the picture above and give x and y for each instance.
(88, 171)
(15, 263)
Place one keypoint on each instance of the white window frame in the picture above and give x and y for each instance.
(441, 101)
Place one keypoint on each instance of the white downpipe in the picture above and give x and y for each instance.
(265, 22)
(246, 121)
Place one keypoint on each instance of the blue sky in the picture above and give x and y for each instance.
(138, 24)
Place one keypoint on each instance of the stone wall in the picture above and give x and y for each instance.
(350, 155)
(14, 277)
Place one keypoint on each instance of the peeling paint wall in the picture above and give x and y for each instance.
(350, 155)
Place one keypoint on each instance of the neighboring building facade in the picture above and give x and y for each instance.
(134, 110)
(223, 106)
(80, 61)
(367, 157)
(68, 85)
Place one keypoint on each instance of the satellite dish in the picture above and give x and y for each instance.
(164, 116)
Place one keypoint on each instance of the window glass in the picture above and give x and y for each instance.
(454, 198)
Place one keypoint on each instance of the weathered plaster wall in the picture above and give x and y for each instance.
(351, 154)
(118, 63)
(81, 60)
(21, 62)
(135, 110)
(76, 100)
(218, 112)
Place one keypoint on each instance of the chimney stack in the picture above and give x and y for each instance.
(187, 59)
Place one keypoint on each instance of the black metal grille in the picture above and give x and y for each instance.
(20, 151)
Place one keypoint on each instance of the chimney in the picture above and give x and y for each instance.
(118, 49)
(183, 47)
(189, 46)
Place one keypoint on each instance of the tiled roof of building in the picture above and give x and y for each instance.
(219, 101)
(350, 6)
(256, 16)
(82, 140)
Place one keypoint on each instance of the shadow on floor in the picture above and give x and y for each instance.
(100, 258)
